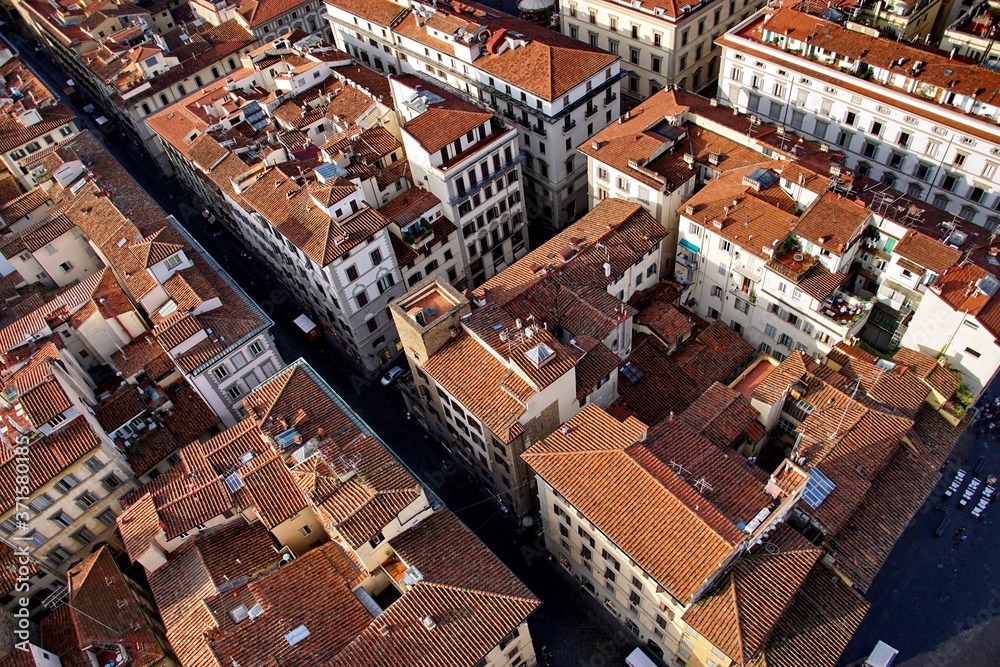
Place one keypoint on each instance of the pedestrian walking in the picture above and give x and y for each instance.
(959, 532)
(959, 541)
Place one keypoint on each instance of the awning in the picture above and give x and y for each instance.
(690, 246)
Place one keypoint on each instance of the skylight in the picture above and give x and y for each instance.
(818, 488)
(297, 635)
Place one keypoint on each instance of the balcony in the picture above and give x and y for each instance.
(567, 127)
(590, 112)
(417, 234)
(608, 99)
(792, 264)
(540, 129)
(686, 260)
(844, 309)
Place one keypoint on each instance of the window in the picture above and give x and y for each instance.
(67, 483)
(111, 482)
(352, 273)
(362, 299)
(221, 372)
(94, 464)
(66, 267)
(84, 536)
(797, 295)
(58, 555)
(655, 63)
(385, 282)
(305, 531)
(86, 500)
(722, 268)
(107, 517)
(234, 391)
(40, 502)
(742, 306)
(62, 519)
(770, 331)
(255, 348)
(717, 291)
(972, 352)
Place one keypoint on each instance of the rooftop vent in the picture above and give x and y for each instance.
(429, 622)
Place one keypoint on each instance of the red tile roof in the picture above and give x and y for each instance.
(740, 612)
(600, 465)
(472, 597)
(105, 611)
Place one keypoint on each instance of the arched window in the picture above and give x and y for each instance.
(197, 80)
(215, 72)
(180, 89)
(232, 64)
(543, 169)
(164, 100)
(145, 109)
(569, 164)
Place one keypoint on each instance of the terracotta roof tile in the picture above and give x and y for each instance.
(816, 628)
(927, 252)
(97, 589)
(121, 407)
(742, 609)
(599, 467)
(459, 573)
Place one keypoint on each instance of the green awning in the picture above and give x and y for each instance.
(690, 246)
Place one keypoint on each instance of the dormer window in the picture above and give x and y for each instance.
(173, 260)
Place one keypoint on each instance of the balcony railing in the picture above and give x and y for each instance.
(454, 201)
(568, 126)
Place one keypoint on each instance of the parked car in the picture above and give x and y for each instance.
(391, 375)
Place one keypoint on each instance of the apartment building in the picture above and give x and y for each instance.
(318, 186)
(662, 44)
(107, 618)
(267, 19)
(912, 118)
(667, 582)
(557, 90)
(909, 21)
(471, 161)
(134, 61)
(135, 80)
(680, 581)
(957, 319)
(68, 503)
(971, 34)
(505, 366)
(303, 472)
(660, 152)
(155, 280)
(33, 120)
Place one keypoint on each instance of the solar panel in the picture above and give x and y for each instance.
(254, 115)
(631, 373)
(818, 488)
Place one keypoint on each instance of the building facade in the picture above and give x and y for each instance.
(901, 115)
(661, 43)
(567, 93)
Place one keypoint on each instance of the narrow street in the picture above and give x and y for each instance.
(574, 627)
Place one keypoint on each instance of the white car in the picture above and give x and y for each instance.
(391, 375)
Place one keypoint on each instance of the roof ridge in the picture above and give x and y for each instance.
(478, 591)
